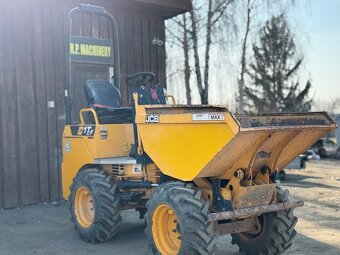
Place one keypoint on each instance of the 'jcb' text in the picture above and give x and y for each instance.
(152, 119)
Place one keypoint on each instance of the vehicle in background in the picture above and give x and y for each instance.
(298, 164)
(327, 147)
(310, 154)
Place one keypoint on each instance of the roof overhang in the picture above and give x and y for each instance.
(166, 8)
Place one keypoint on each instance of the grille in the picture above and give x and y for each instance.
(118, 169)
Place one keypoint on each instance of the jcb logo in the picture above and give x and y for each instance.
(152, 119)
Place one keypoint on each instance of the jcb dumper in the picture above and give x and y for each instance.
(192, 172)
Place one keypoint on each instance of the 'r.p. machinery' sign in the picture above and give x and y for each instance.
(90, 50)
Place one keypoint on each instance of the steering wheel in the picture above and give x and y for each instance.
(139, 79)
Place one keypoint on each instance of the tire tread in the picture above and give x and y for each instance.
(108, 208)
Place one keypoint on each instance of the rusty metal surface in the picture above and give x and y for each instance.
(251, 225)
(273, 146)
(253, 211)
(254, 196)
(257, 154)
(181, 109)
(285, 119)
(283, 145)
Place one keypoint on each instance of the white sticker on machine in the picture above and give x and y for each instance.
(137, 169)
(208, 117)
(68, 146)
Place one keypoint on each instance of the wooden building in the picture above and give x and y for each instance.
(32, 77)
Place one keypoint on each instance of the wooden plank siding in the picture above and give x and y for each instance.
(32, 73)
(9, 115)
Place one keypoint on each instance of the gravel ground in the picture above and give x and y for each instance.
(47, 230)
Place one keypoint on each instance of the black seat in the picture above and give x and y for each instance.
(106, 100)
(102, 94)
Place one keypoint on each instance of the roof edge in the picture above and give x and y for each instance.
(172, 7)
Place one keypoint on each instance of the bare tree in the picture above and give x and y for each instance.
(183, 41)
(214, 25)
(216, 10)
(187, 69)
(243, 57)
(331, 106)
(194, 33)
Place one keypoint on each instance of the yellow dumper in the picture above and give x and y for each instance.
(192, 172)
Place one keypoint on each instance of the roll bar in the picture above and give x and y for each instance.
(100, 11)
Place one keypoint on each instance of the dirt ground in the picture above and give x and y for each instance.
(319, 220)
(47, 230)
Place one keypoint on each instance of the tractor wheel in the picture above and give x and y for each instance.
(95, 206)
(177, 221)
(276, 235)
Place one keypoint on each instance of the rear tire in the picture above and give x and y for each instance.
(95, 206)
(177, 221)
(276, 235)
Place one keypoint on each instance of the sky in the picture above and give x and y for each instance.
(316, 26)
(320, 20)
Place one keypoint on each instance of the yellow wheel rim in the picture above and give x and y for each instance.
(83, 207)
(166, 230)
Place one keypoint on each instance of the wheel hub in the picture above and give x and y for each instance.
(166, 230)
(83, 207)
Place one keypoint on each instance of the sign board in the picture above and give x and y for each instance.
(90, 50)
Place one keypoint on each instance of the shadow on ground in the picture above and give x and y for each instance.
(46, 229)
(306, 181)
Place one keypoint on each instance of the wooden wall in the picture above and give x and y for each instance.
(32, 73)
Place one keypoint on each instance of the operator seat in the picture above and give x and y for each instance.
(106, 100)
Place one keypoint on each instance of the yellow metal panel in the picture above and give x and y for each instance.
(79, 151)
(75, 159)
(185, 148)
(299, 144)
(117, 143)
(179, 146)
(234, 155)
(252, 149)
(179, 150)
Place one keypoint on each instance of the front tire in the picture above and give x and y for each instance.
(276, 236)
(95, 206)
(177, 221)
